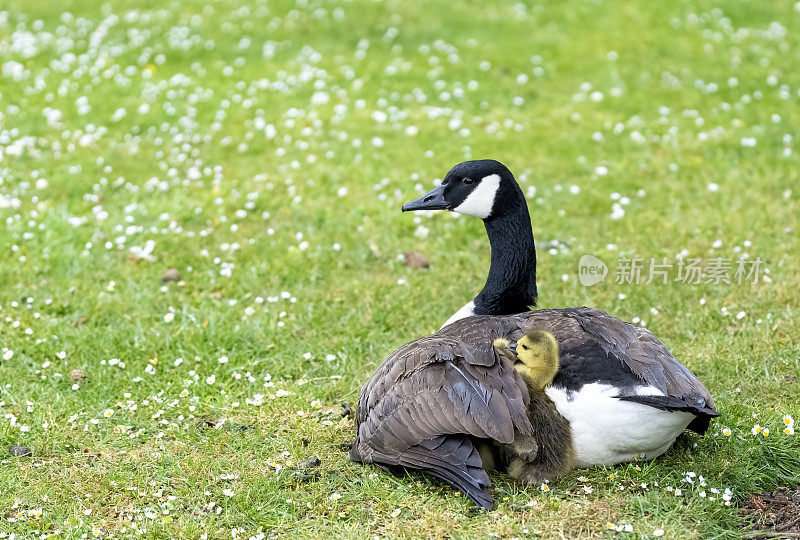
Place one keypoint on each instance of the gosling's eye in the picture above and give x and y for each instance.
(525, 347)
(467, 180)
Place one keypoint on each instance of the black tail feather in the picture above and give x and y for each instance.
(703, 414)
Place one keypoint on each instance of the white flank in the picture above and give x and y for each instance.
(607, 430)
(480, 202)
(466, 311)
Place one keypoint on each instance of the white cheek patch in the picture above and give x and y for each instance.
(480, 202)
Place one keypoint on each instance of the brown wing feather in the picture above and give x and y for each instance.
(441, 388)
(428, 388)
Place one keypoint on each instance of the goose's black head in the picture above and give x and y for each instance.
(484, 188)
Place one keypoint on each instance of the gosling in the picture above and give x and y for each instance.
(548, 452)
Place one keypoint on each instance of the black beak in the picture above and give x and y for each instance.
(433, 200)
(513, 347)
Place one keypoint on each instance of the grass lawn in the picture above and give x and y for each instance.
(263, 150)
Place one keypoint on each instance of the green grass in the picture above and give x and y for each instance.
(194, 172)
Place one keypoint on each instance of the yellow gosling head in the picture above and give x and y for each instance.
(537, 358)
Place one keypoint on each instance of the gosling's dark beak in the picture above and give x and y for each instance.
(513, 347)
(433, 200)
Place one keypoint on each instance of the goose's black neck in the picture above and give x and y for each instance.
(511, 283)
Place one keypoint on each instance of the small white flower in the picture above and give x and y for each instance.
(222, 359)
(335, 496)
(748, 141)
(658, 532)
(228, 492)
(169, 317)
(108, 413)
(211, 379)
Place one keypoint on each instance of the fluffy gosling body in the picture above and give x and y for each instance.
(549, 451)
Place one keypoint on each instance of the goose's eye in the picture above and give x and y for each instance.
(467, 180)
(524, 347)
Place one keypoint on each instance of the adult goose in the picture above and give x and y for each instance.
(625, 396)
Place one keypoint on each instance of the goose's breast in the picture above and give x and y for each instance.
(607, 430)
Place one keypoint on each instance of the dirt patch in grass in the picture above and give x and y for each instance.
(776, 513)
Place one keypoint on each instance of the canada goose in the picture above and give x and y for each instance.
(623, 393)
(548, 452)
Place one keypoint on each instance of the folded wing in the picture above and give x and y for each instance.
(425, 404)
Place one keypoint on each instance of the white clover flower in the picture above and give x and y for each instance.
(748, 142)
